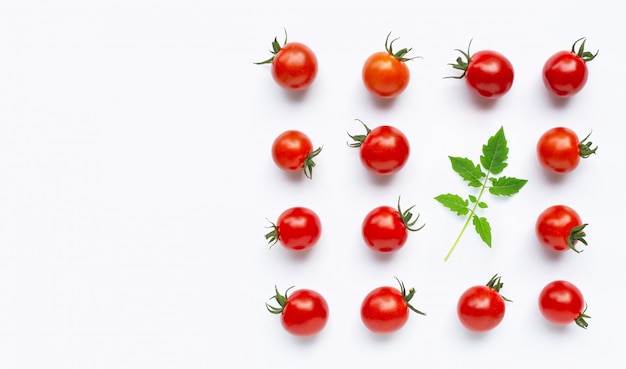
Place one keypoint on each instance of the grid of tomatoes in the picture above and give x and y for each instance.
(384, 150)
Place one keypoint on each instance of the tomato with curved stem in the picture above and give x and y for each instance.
(385, 73)
(559, 228)
(294, 64)
(303, 313)
(385, 229)
(481, 308)
(565, 73)
(487, 72)
(386, 309)
(292, 151)
(562, 303)
(297, 229)
(560, 151)
(383, 150)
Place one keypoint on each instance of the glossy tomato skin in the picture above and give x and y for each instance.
(554, 226)
(298, 228)
(561, 302)
(305, 313)
(384, 310)
(384, 75)
(385, 150)
(565, 74)
(384, 230)
(480, 308)
(294, 66)
(489, 74)
(558, 150)
(293, 151)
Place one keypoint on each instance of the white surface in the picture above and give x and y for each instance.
(136, 183)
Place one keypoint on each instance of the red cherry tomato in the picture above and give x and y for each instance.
(297, 229)
(303, 313)
(294, 65)
(386, 309)
(488, 73)
(293, 151)
(385, 229)
(559, 228)
(482, 308)
(383, 150)
(565, 73)
(559, 150)
(385, 73)
(561, 302)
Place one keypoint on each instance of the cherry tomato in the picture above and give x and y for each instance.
(385, 73)
(303, 313)
(565, 73)
(294, 64)
(559, 228)
(386, 309)
(293, 151)
(561, 302)
(297, 229)
(384, 150)
(488, 73)
(482, 308)
(385, 229)
(559, 150)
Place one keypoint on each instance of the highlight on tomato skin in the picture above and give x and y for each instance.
(559, 228)
(565, 73)
(297, 229)
(385, 229)
(293, 151)
(482, 308)
(559, 150)
(562, 303)
(304, 313)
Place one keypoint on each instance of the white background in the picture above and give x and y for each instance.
(136, 183)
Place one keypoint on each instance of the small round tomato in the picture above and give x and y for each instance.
(386, 309)
(482, 308)
(385, 73)
(561, 302)
(294, 64)
(384, 150)
(565, 73)
(488, 73)
(303, 313)
(559, 228)
(385, 229)
(559, 150)
(297, 229)
(293, 151)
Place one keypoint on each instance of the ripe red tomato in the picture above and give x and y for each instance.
(561, 302)
(384, 150)
(385, 73)
(386, 309)
(565, 73)
(303, 313)
(293, 151)
(488, 73)
(559, 150)
(559, 228)
(482, 308)
(385, 229)
(297, 229)
(294, 64)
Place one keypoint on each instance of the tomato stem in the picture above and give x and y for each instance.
(462, 62)
(408, 296)
(309, 164)
(580, 320)
(359, 139)
(407, 216)
(586, 56)
(400, 54)
(280, 299)
(276, 47)
(585, 149)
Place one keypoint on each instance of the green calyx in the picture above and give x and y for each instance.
(407, 218)
(585, 149)
(580, 320)
(577, 234)
(496, 284)
(309, 163)
(586, 56)
(359, 139)
(400, 54)
(280, 299)
(462, 62)
(272, 236)
(276, 47)
(408, 296)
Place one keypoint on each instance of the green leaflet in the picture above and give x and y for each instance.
(481, 176)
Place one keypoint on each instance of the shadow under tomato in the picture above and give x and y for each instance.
(296, 96)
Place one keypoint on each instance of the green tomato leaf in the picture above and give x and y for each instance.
(482, 205)
(506, 186)
(469, 171)
(495, 153)
(482, 228)
(454, 202)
